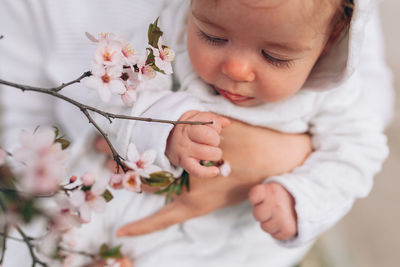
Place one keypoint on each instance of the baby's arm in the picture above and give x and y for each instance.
(188, 144)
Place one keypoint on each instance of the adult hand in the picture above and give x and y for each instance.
(254, 154)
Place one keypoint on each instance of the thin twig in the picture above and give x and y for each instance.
(107, 115)
(77, 80)
(12, 238)
(116, 156)
(93, 256)
(30, 247)
(5, 229)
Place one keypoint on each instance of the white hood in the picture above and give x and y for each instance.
(341, 61)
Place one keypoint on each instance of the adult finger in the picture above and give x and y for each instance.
(173, 213)
(100, 145)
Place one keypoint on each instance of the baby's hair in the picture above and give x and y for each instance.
(341, 20)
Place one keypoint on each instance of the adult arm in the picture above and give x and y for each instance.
(267, 153)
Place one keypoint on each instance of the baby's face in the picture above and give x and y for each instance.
(257, 51)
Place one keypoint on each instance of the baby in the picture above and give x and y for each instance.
(289, 66)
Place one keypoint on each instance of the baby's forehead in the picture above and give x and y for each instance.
(316, 12)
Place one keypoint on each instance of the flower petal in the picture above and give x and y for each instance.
(117, 86)
(132, 154)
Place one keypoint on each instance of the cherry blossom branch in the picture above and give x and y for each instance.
(27, 241)
(84, 108)
(107, 115)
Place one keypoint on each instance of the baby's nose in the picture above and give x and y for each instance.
(238, 70)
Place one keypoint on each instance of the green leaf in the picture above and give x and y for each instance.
(160, 179)
(185, 180)
(107, 195)
(29, 210)
(154, 33)
(56, 131)
(178, 189)
(64, 143)
(110, 253)
(162, 191)
(171, 190)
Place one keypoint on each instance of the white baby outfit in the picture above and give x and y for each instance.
(344, 105)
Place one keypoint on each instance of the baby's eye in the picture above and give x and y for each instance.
(280, 63)
(210, 39)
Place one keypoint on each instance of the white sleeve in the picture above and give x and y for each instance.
(349, 148)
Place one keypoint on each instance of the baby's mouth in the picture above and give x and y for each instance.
(234, 98)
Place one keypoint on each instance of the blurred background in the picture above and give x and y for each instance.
(369, 236)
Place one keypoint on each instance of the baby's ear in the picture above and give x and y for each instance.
(338, 30)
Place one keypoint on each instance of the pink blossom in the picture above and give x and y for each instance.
(66, 216)
(116, 181)
(109, 53)
(105, 81)
(225, 169)
(146, 72)
(129, 97)
(3, 156)
(88, 179)
(163, 56)
(132, 181)
(44, 162)
(90, 200)
(112, 263)
(143, 163)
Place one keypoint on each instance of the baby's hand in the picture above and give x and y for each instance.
(188, 144)
(273, 207)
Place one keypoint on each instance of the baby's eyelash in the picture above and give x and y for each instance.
(211, 40)
(280, 63)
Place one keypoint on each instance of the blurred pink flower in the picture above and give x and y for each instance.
(88, 179)
(225, 169)
(44, 162)
(116, 181)
(132, 181)
(90, 200)
(141, 163)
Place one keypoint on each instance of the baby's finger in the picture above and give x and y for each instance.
(262, 212)
(204, 152)
(288, 227)
(204, 135)
(257, 194)
(270, 226)
(193, 167)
